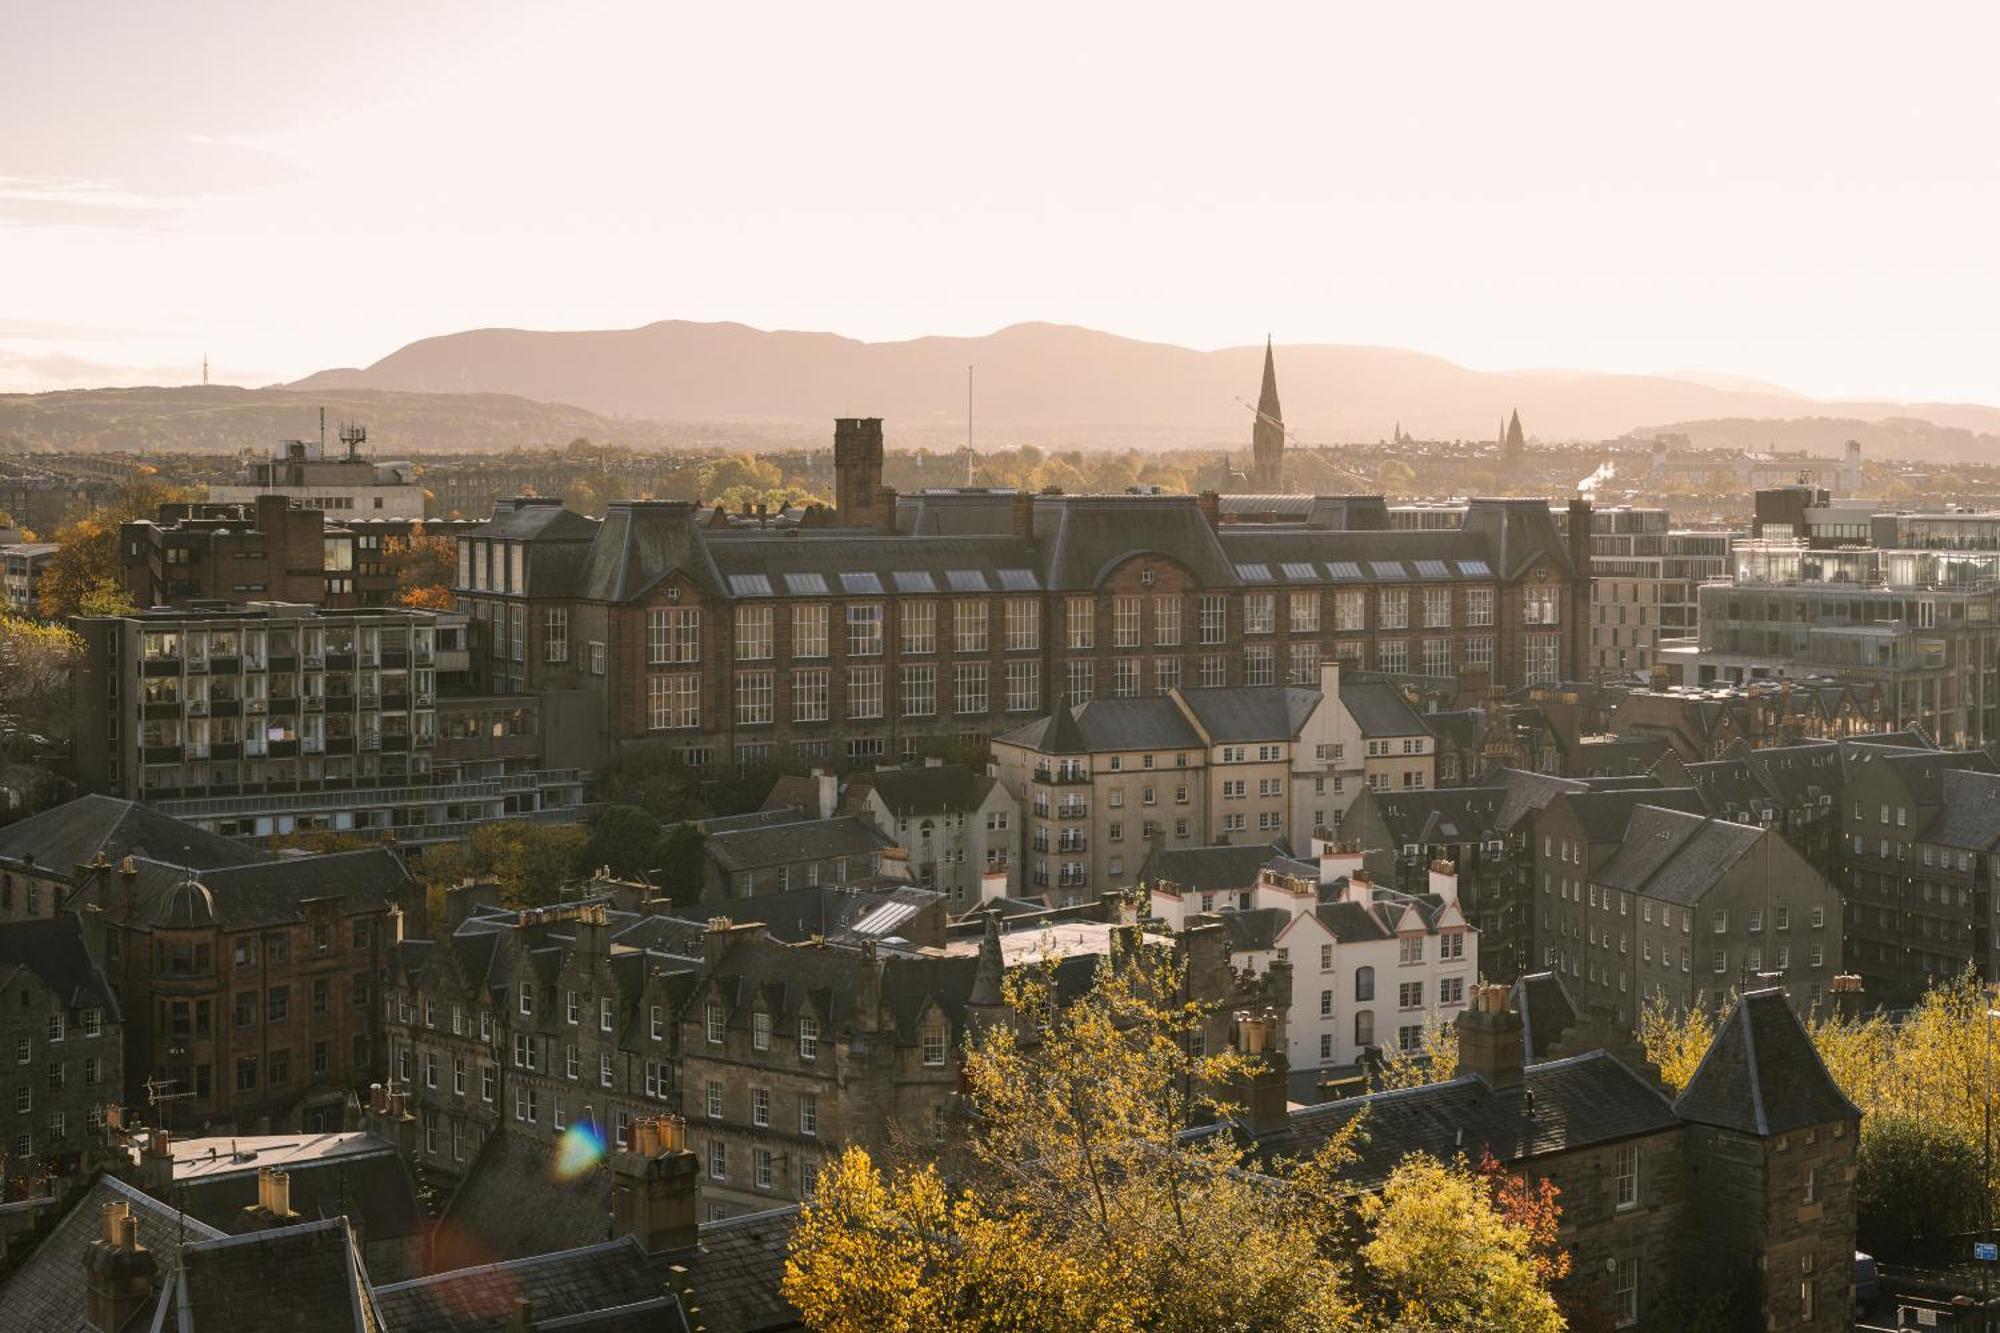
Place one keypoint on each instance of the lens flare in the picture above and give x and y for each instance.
(578, 1152)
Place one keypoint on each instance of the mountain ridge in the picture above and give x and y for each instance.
(1044, 376)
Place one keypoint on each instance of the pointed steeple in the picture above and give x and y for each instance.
(1267, 397)
(1267, 435)
(1515, 440)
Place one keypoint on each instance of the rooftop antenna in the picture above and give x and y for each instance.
(968, 426)
(322, 432)
(204, 370)
(353, 436)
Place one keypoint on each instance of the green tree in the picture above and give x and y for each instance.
(534, 864)
(626, 839)
(36, 663)
(1916, 1187)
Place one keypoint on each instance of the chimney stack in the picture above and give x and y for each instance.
(1360, 888)
(992, 884)
(118, 1272)
(828, 785)
(1211, 507)
(274, 1202)
(655, 1187)
(1265, 1105)
(1489, 1039)
(1024, 513)
(1444, 880)
(1338, 859)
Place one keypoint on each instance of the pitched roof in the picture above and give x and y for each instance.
(1578, 1102)
(938, 789)
(355, 1175)
(72, 834)
(794, 841)
(1761, 1074)
(46, 1291)
(54, 950)
(1676, 856)
(1255, 929)
(1605, 815)
(1251, 712)
(1380, 709)
(1208, 869)
(224, 1285)
(264, 894)
(511, 1206)
(561, 1284)
(1081, 538)
(1969, 812)
(1547, 1010)
(738, 1271)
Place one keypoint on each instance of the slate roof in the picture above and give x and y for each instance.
(72, 834)
(1605, 815)
(1251, 712)
(1579, 1102)
(265, 894)
(1208, 869)
(1380, 709)
(1547, 1010)
(1969, 812)
(1253, 930)
(639, 543)
(1676, 856)
(54, 950)
(795, 841)
(535, 519)
(738, 1271)
(830, 911)
(1440, 815)
(1458, 729)
(589, 1279)
(510, 1205)
(940, 789)
(1761, 1074)
(46, 1291)
(1153, 722)
(1081, 538)
(225, 1285)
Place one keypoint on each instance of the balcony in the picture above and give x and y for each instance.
(1072, 844)
(1066, 775)
(1073, 810)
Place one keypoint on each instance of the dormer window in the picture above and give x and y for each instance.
(934, 1042)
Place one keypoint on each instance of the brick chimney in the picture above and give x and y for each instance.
(857, 470)
(1265, 1106)
(156, 1163)
(1024, 513)
(1360, 888)
(1211, 507)
(1489, 1039)
(655, 1187)
(118, 1272)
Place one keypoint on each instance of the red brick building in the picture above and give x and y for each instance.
(763, 640)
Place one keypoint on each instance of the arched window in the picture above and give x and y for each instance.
(1364, 1027)
(1364, 983)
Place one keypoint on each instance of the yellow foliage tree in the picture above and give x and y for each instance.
(1433, 1060)
(1444, 1258)
(1675, 1041)
(1082, 1206)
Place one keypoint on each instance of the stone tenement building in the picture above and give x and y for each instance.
(1742, 1188)
(957, 614)
(249, 992)
(62, 1048)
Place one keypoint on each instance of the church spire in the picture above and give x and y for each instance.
(1267, 436)
(1515, 440)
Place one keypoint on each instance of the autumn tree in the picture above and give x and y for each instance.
(1434, 1059)
(36, 663)
(1082, 1204)
(1443, 1257)
(1675, 1039)
(534, 864)
(84, 575)
(425, 565)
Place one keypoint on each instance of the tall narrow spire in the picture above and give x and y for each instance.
(1515, 440)
(1267, 436)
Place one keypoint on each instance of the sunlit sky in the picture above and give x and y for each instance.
(1804, 193)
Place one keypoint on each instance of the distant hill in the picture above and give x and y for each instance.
(222, 418)
(1882, 441)
(1070, 385)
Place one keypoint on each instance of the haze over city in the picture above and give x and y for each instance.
(1786, 193)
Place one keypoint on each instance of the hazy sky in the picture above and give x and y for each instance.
(1804, 193)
